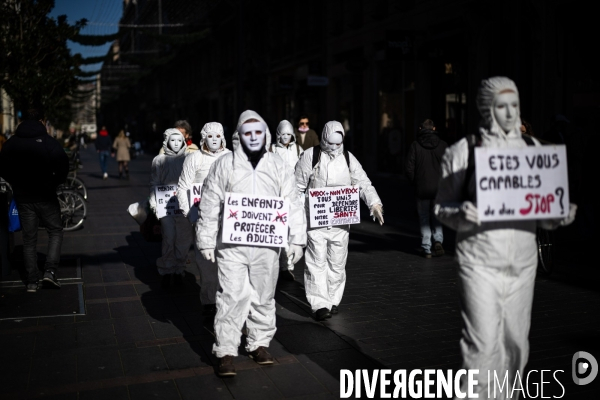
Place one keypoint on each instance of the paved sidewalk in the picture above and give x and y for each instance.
(137, 341)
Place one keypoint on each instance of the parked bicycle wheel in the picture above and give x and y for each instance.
(78, 185)
(73, 209)
(545, 250)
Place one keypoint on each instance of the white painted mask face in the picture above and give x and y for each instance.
(334, 141)
(253, 135)
(213, 141)
(175, 143)
(285, 138)
(506, 110)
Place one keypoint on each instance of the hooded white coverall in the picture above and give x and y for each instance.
(176, 230)
(290, 154)
(497, 260)
(195, 170)
(327, 248)
(247, 274)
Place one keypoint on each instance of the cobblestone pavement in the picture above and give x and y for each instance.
(138, 341)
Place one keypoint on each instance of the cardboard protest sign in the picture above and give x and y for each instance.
(526, 183)
(166, 201)
(331, 206)
(255, 220)
(194, 197)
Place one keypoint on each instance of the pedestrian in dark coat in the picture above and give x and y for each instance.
(34, 164)
(423, 169)
(305, 136)
(104, 149)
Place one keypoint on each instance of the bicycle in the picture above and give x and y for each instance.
(72, 180)
(545, 250)
(73, 209)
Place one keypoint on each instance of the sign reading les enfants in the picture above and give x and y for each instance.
(331, 206)
(166, 201)
(526, 183)
(255, 220)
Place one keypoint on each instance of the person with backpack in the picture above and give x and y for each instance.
(497, 260)
(287, 148)
(423, 170)
(34, 164)
(329, 165)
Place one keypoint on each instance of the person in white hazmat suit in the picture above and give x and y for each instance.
(497, 260)
(327, 248)
(247, 274)
(195, 170)
(286, 145)
(176, 229)
(290, 151)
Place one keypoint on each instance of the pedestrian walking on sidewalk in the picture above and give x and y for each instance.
(423, 170)
(122, 145)
(290, 151)
(195, 170)
(176, 229)
(247, 274)
(329, 165)
(104, 149)
(35, 164)
(497, 260)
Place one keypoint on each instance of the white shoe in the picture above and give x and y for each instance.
(105, 176)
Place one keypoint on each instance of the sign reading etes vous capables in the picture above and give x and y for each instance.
(331, 206)
(526, 183)
(255, 220)
(166, 201)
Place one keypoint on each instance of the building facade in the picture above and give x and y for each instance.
(379, 67)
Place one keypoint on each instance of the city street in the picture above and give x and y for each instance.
(113, 333)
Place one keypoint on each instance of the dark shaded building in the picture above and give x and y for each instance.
(379, 67)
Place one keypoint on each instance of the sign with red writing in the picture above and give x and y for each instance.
(332, 206)
(194, 197)
(255, 220)
(525, 183)
(166, 201)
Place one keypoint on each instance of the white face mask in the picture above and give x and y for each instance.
(213, 141)
(285, 138)
(506, 110)
(253, 135)
(333, 142)
(175, 143)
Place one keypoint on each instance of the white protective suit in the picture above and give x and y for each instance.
(290, 154)
(195, 170)
(176, 230)
(247, 275)
(497, 260)
(327, 248)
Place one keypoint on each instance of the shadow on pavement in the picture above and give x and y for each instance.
(174, 311)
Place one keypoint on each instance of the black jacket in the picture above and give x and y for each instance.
(33, 163)
(103, 143)
(423, 163)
